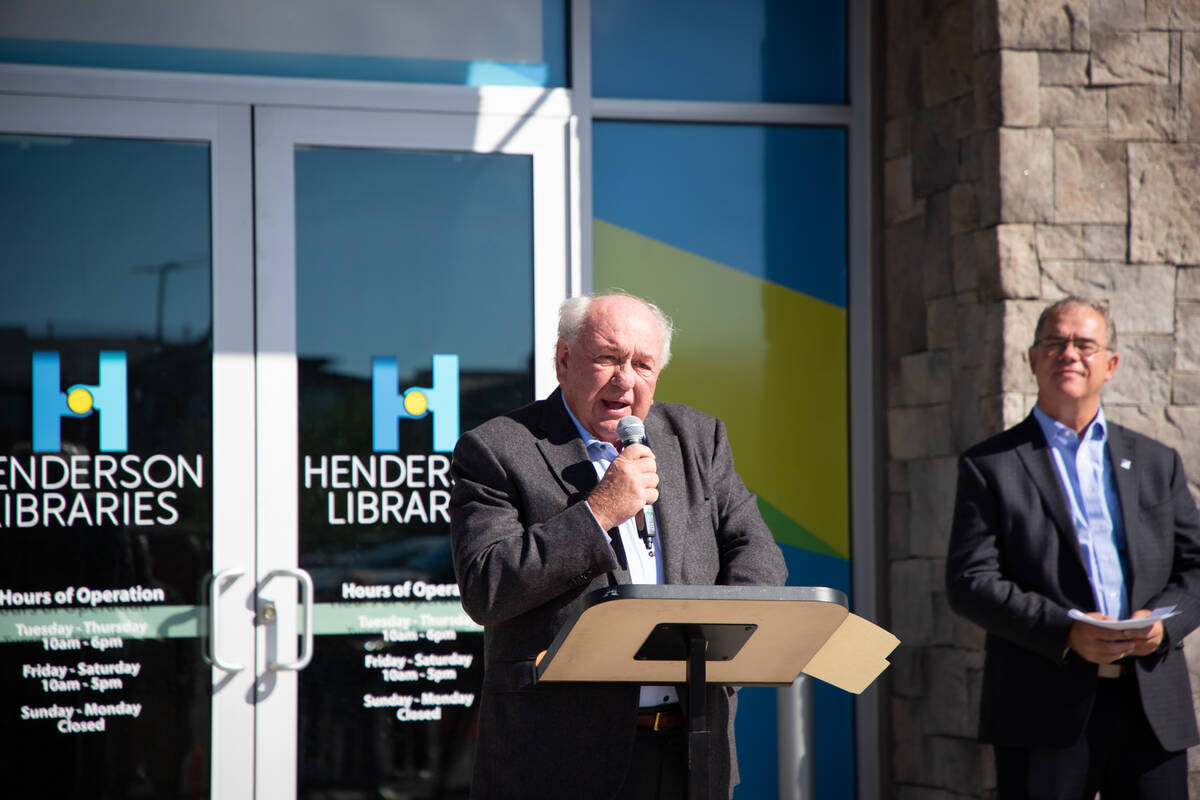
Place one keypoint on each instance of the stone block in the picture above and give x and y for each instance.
(1059, 242)
(1175, 59)
(1130, 58)
(1008, 263)
(907, 672)
(898, 204)
(1145, 113)
(1020, 320)
(1143, 297)
(902, 89)
(931, 509)
(937, 265)
(1006, 89)
(1062, 69)
(1024, 25)
(974, 151)
(1177, 15)
(946, 54)
(1187, 337)
(1112, 16)
(941, 323)
(957, 764)
(974, 323)
(1072, 107)
(1185, 389)
(919, 432)
(1164, 195)
(897, 526)
(1143, 374)
(1105, 242)
(909, 759)
(1189, 86)
(934, 150)
(964, 409)
(1001, 411)
(1089, 181)
(895, 137)
(911, 590)
(925, 378)
(1187, 283)
(948, 702)
(964, 208)
(1019, 185)
(905, 309)
(964, 261)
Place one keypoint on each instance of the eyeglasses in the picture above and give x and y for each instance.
(1057, 346)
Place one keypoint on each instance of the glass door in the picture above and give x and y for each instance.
(409, 270)
(225, 435)
(125, 464)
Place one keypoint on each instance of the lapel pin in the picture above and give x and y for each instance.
(1126, 463)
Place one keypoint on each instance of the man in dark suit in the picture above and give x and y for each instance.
(546, 507)
(1069, 511)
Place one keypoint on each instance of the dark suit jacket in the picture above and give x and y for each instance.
(526, 549)
(1015, 567)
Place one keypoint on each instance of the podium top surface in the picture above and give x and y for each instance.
(599, 642)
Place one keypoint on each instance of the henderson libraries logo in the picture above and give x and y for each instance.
(51, 404)
(389, 405)
(386, 488)
(52, 488)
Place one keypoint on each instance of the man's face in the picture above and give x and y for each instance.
(611, 371)
(1063, 373)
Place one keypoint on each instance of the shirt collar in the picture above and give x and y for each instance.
(1060, 435)
(589, 440)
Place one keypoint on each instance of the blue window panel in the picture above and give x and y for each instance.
(775, 51)
(770, 201)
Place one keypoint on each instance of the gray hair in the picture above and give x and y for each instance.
(572, 315)
(1074, 301)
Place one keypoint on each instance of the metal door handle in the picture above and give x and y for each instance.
(214, 603)
(306, 605)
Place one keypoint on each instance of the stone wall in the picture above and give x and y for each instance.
(1031, 149)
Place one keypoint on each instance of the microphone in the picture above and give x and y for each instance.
(630, 430)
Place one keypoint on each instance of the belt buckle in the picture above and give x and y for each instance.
(658, 717)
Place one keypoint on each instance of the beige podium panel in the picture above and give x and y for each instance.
(787, 630)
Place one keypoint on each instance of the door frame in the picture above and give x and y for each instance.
(278, 132)
(226, 130)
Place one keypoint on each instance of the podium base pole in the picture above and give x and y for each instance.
(698, 772)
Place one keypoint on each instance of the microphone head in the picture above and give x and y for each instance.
(630, 430)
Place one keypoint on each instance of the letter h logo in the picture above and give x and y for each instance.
(388, 405)
(51, 404)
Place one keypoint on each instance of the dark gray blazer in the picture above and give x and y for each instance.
(1015, 567)
(526, 550)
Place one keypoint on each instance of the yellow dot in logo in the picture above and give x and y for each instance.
(80, 401)
(416, 403)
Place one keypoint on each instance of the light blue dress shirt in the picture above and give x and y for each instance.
(643, 564)
(1086, 475)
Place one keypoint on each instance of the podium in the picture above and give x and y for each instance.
(732, 635)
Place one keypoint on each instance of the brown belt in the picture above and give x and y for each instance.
(664, 719)
(1118, 669)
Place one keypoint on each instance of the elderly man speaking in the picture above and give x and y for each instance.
(547, 507)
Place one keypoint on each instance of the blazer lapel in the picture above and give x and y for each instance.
(567, 457)
(564, 452)
(1038, 459)
(669, 511)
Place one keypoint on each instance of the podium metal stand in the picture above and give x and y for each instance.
(734, 635)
